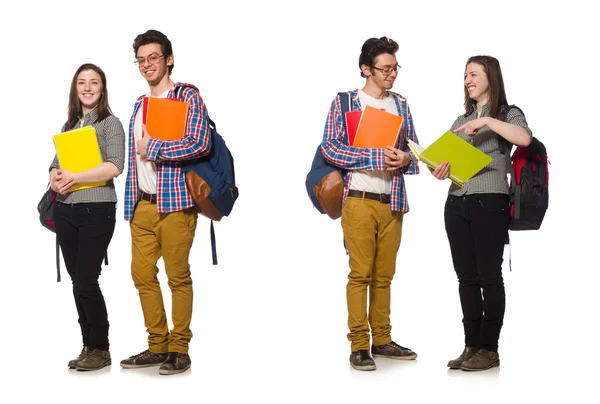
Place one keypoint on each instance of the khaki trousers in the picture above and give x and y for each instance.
(372, 234)
(170, 236)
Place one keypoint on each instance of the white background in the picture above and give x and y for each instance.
(270, 320)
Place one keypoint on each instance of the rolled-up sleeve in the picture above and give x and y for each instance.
(115, 142)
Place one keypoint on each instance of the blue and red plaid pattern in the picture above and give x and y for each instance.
(172, 193)
(340, 154)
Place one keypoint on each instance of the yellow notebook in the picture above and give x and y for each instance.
(464, 158)
(78, 150)
(377, 128)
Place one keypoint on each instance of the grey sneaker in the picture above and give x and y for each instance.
(175, 363)
(143, 360)
(362, 360)
(393, 351)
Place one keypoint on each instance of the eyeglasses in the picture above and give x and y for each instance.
(387, 70)
(152, 59)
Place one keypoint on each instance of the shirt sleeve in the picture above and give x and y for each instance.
(410, 134)
(115, 142)
(55, 163)
(196, 142)
(516, 117)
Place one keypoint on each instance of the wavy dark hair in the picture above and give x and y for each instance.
(75, 108)
(374, 47)
(496, 93)
(154, 36)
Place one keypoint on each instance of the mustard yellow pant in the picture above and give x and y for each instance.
(372, 235)
(170, 236)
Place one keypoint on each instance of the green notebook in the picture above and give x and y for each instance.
(464, 158)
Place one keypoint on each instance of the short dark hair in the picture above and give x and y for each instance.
(374, 47)
(75, 109)
(496, 93)
(154, 36)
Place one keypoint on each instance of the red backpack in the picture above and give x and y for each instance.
(528, 182)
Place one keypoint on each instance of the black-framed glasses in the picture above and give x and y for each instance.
(152, 59)
(387, 70)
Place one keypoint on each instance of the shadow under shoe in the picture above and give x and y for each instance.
(362, 360)
(467, 353)
(143, 360)
(95, 360)
(84, 352)
(482, 360)
(392, 350)
(176, 363)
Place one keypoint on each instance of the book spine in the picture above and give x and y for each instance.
(460, 183)
(427, 161)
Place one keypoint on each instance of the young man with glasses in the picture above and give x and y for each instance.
(160, 209)
(374, 204)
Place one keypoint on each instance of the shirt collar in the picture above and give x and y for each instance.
(484, 110)
(90, 117)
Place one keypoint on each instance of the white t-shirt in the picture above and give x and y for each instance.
(146, 170)
(379, 182)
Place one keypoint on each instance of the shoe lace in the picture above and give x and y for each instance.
(392, 343)
(146, 352)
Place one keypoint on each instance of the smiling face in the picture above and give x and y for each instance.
(89, 89)
(476, 83)
(153, 64)
(376, 76)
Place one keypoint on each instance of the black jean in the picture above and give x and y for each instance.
(476, 226)
(84, 232)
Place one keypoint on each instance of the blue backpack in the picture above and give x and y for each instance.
(211, 182)
(324, 181)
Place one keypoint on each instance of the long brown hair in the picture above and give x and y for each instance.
(496, 93)
(75, 109)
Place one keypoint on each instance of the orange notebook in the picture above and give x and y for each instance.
(377, 128)
(165, 118)
(352, 119)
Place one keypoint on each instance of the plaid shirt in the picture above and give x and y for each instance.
(336, 150)
(172, 194)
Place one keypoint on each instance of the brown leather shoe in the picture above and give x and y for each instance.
(73, 362)
(482, 360)
(467, 353)
(95, 360)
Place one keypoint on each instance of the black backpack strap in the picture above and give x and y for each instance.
(57, 260)
(178, 91)
(346, 103)
(515, 192)
(502, 114)
(213, 243)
